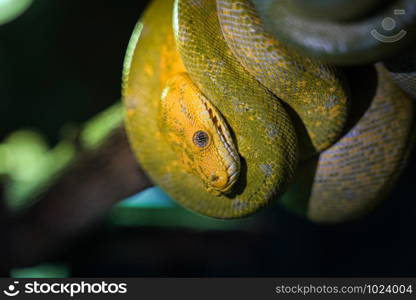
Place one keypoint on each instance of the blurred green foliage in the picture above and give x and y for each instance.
(11, 9)
(27, 163)
(42, 271)
(101, 125)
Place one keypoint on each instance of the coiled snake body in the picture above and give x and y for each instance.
(224, 117)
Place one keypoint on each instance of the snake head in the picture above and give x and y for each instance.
(198, 134)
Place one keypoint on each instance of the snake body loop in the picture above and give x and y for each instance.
(352, 176)
(223, 116)
(310, 88)
(269, 157)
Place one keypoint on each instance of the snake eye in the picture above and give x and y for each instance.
(201, 139)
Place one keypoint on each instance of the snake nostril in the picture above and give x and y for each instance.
(214, 178)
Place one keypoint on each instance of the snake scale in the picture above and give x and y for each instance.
(226, 119)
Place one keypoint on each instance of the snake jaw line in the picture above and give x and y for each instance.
(231, 157)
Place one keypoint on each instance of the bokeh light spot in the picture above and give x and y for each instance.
(11, 9)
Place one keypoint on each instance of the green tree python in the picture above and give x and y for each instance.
(226, 119)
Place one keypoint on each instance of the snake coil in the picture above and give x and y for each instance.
(227, 119)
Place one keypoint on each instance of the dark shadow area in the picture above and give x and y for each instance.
(61, 62)
(403, 70)
(362, 83)
(380, 244)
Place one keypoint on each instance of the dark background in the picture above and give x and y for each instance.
(61, 63)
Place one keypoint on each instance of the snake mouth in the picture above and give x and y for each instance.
(232, 163)
(226, 150)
